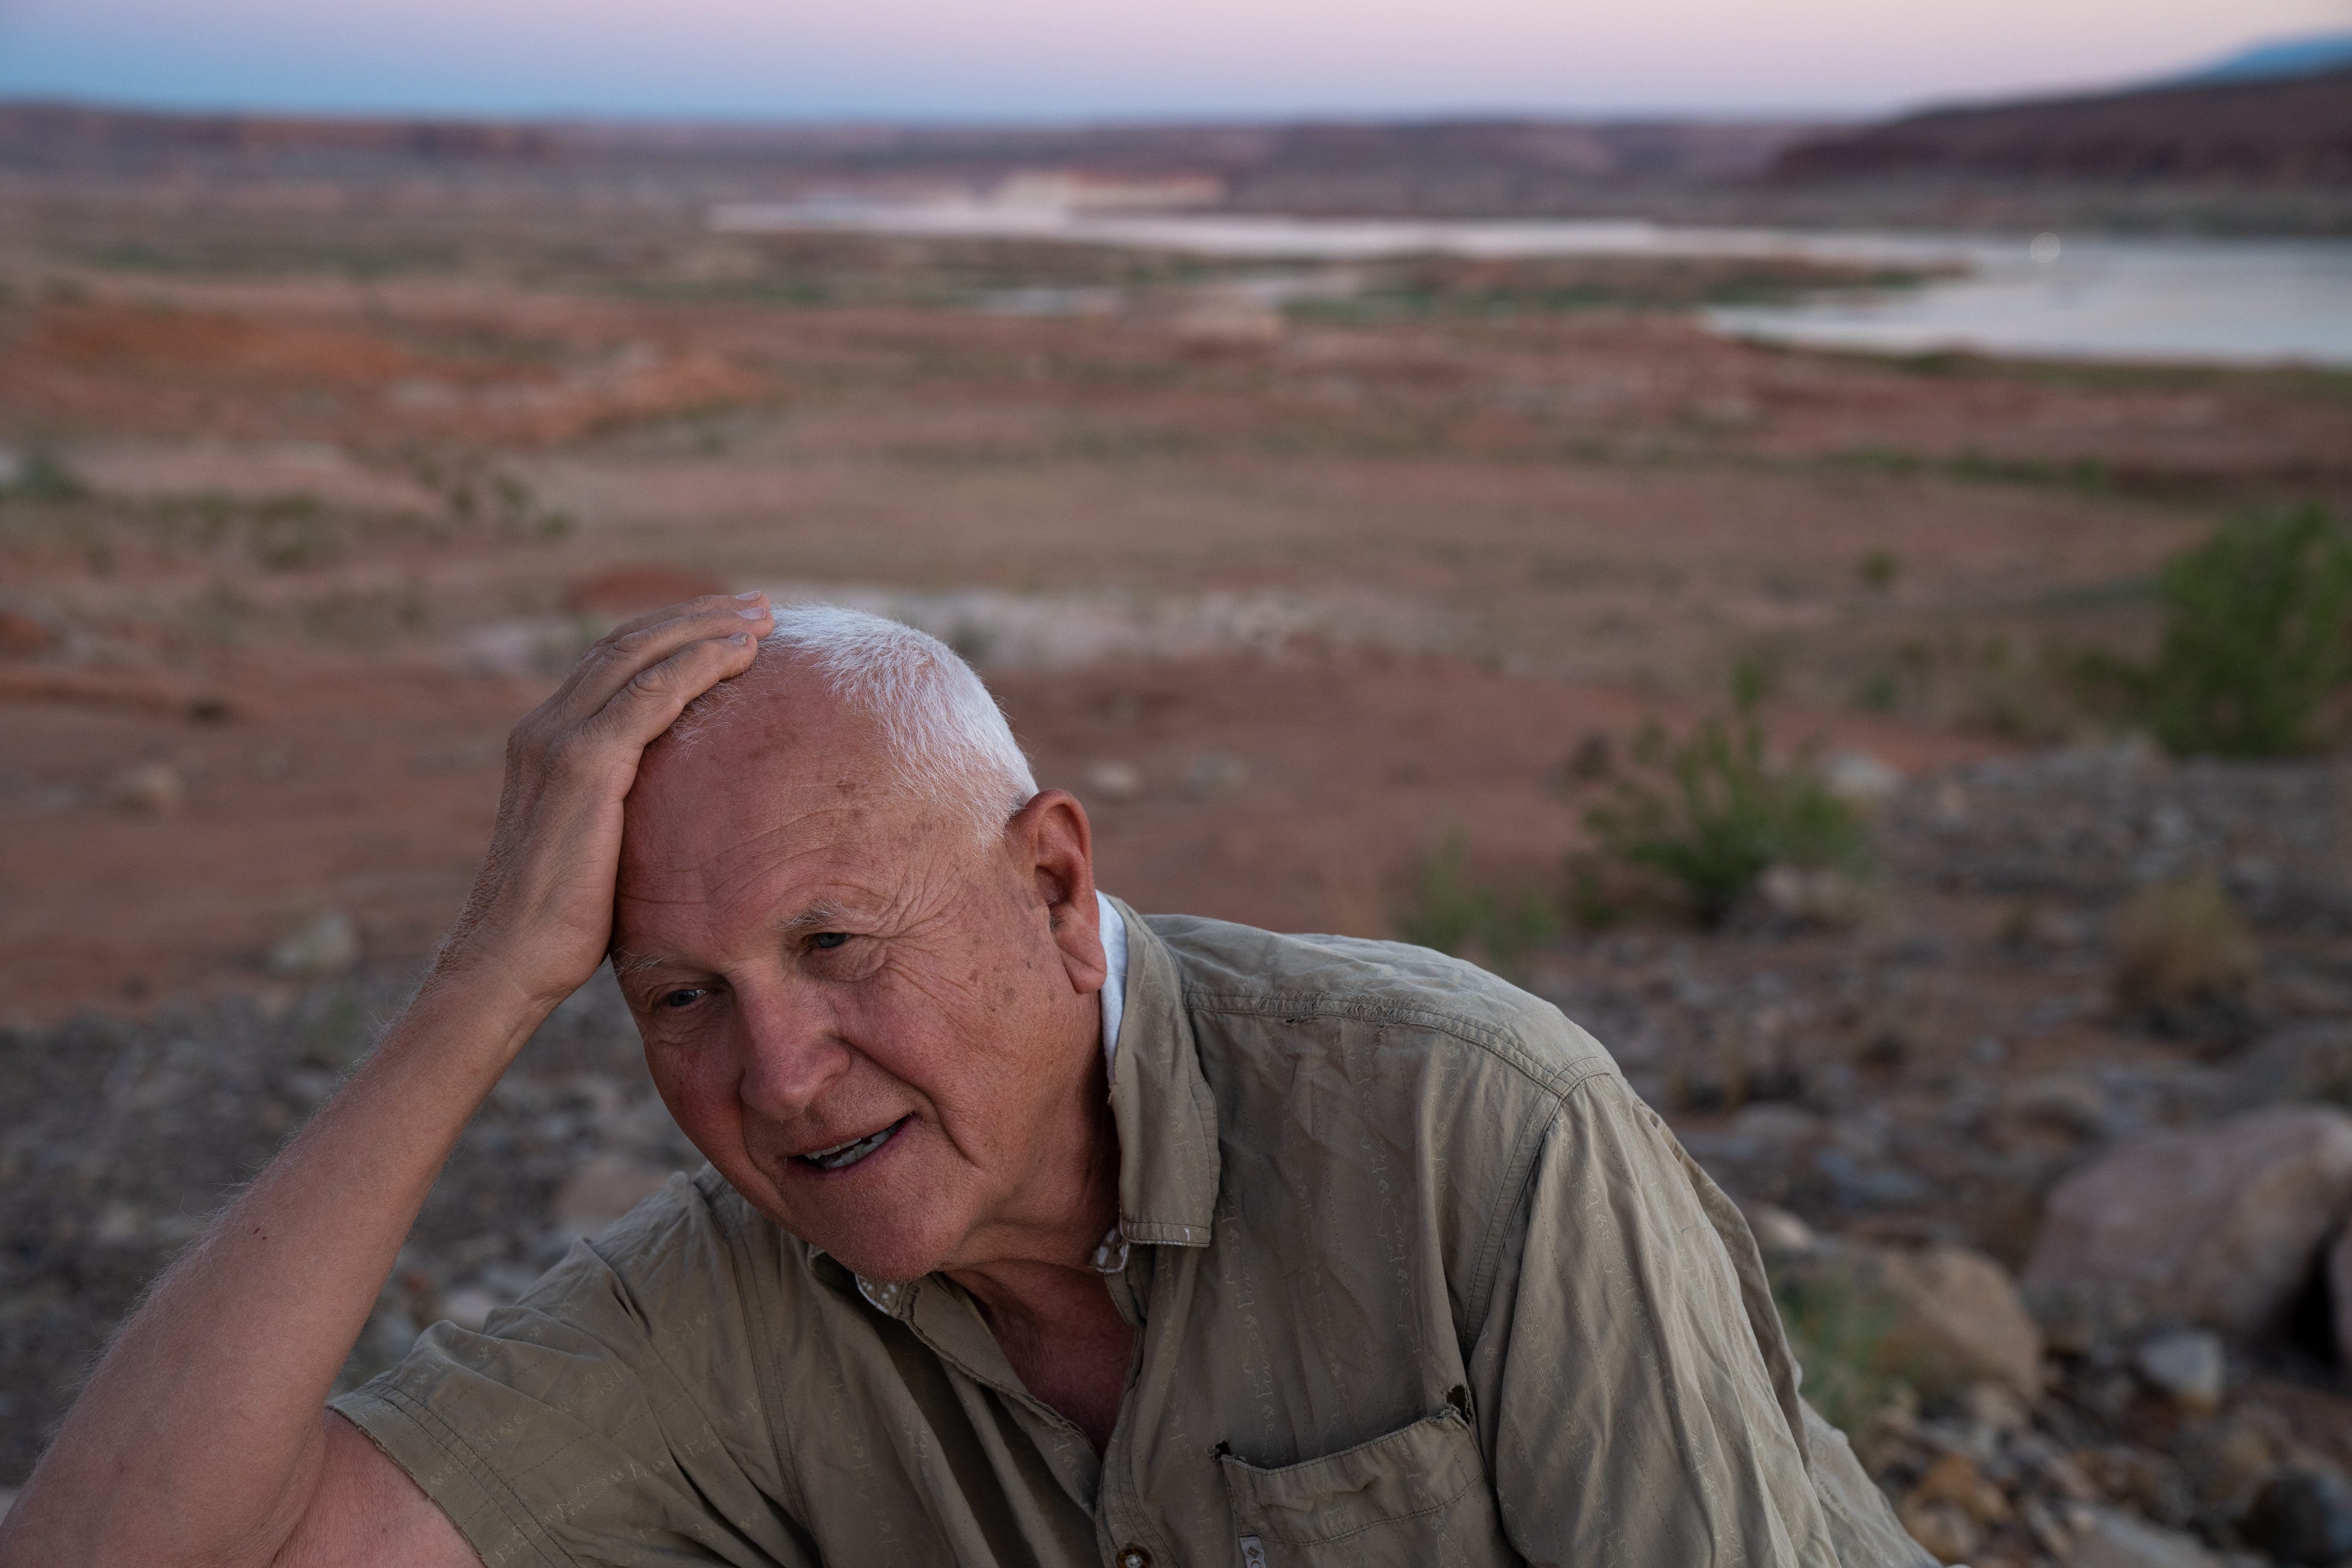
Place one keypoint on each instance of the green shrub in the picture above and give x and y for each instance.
(1455, 914)
(1842, 1337)
(2185, 959)
(42, 475)
(2254, 637)
(1710, 812)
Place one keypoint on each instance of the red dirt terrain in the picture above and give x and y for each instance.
(1310, 599)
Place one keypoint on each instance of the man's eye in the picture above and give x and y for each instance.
(828, 938)
(685, 998)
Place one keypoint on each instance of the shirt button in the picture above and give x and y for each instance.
(1134, 1557)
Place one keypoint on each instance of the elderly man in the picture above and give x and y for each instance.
(1033, 1231)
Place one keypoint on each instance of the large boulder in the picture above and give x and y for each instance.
(1961, 1311)
(2219, 1226)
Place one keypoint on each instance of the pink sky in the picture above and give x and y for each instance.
(1017, 60)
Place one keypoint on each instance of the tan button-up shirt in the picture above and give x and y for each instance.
(1417, 1280)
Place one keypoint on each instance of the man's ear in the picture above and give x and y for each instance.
(1056, 846)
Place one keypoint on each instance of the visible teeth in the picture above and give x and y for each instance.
(849, 1153)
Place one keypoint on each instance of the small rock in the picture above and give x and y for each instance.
(1860, 779)
(325, 945)
(1823, 898)
(1113, 779)
(2115, 1539)
(2219, 1225)
(1213, 773)
(2150, 1483)
(2227, 1462)
(1955, 1479)
(2073, 1102)
(1779, 1233)
(119, 1224)
(2301, 1516)
(1997, 1408)
(2037, 927)
(2052, 1471)
(153, 789)
(602, 1191)
(1774, 1123)
(2189, 1367)
(1945, 1529)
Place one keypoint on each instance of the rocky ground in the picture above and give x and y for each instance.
(1897, 1098)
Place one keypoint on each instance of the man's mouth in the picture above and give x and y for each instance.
(840, 1156)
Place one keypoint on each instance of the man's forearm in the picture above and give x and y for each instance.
(197, 1440)
(200, 1438)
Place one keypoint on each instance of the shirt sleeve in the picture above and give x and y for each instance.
(612, 1416)
(1637, 1401)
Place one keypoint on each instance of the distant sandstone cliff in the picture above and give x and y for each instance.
(1475, 165)
(2288, 133)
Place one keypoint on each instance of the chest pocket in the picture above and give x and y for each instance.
(1415, 1497)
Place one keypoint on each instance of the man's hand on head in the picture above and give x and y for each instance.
(540, 914)
(199, 1441)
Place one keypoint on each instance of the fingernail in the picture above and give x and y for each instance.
(752, 615)
(754, 594)
(742, 640)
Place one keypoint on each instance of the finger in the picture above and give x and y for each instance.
(651, 700)
(707, 602)
(602, 654)
(639, 645)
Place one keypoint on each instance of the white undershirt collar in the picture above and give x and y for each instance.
(1114, 991)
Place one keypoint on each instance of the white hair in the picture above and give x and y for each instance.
(945, 734)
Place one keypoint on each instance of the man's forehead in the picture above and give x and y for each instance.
(801, 876)
(777, 748)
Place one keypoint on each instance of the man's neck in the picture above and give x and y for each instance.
(1035, 1281)
(1066, 1341)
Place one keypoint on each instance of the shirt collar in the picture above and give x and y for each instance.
(1167, 1120)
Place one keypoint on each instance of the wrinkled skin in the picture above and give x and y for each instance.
(815, 956)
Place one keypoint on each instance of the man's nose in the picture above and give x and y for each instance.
(790, 1050)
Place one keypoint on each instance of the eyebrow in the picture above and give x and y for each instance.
(820, 916)
(626, 964)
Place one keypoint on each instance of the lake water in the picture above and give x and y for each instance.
(2045, 297)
